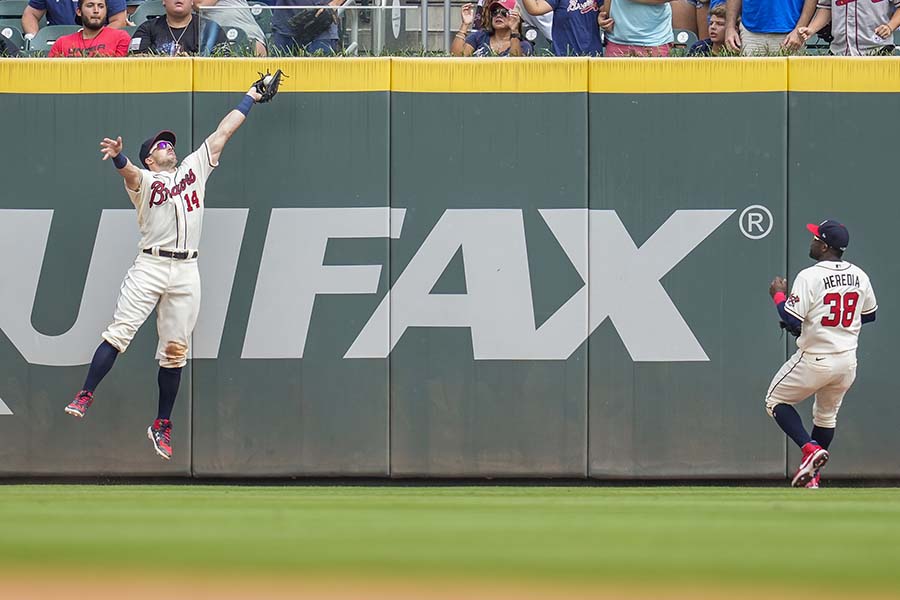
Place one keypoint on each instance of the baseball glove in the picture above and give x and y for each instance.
(307, 25)
(267, 85)
(789, 329)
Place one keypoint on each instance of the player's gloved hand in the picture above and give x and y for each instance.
(779, 284)
(267, 85)
(254, 94)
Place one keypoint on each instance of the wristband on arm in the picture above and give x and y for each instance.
(120, 160)
(245, 105)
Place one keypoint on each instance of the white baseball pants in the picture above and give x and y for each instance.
(828, 376)
(171, 285)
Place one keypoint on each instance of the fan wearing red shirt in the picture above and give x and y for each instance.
(94, 39)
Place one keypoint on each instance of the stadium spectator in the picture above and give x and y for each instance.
(859, 28)
(714, 45)
(638, 28)
(177, 33)
(284, 37)
(500, 35)
(767, 26)
(95, 38)
(64, 12)
(236, 14)
(576, 31)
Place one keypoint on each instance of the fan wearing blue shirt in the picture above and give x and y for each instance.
(62, 12)
(576, 31)
(767, 27)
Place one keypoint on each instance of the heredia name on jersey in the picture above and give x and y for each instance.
(160, 193)
(841, 280)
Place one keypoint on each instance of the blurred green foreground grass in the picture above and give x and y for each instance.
(733, 536)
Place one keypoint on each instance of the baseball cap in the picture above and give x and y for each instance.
(507, 4)
(147, 145)
(832, 233)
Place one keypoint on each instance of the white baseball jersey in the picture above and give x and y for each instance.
(170, 203)
(830, 298)
(853, 24)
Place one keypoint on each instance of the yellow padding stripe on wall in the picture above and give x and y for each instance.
(845, 74)
(95, 75)
(304, 74)
(687, 75)
(471, 75)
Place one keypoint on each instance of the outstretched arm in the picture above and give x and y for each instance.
(232, 121)
(113, 149)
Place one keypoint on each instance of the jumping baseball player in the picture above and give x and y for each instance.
(826, 308)
(169, 200)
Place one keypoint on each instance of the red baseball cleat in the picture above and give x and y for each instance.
(78, 407)
(814, 458)
(160, 433)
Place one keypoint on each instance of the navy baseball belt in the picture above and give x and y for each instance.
(179, 254)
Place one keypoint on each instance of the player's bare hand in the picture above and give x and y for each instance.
(884, 31)
(605, 22)
(111, 148)
(733, 39)
(779, 284)
(254, 94)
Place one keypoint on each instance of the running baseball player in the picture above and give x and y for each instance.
(826, 308)
(169, 199)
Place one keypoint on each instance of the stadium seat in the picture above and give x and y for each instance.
(10, 9)
(684, 38)
(14, 35)
(150, 8)
(816, 45)
(263, 15)
(43, 40)
(130, 30)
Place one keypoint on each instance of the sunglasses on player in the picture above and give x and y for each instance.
(162, 145)
(499, 11)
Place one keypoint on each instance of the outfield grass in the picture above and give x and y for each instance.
(734, 536)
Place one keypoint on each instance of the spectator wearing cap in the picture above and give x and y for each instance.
(500, 34)
(638, 28)
(859, 28)
(235, 13)
(714, 45)
(95, 38)
(65, 12)
(767, 27)
(576, 30)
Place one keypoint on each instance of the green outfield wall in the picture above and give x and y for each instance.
(449, 268)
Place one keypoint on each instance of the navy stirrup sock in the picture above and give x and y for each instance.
(789, 420)
(823, 435)
(103, 360)
(169, 380)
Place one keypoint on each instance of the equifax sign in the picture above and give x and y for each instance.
(497, 306)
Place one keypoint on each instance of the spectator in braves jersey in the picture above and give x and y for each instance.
(638, 28)
(500, 36)
(169, 199)
(826, 307)
(94, 39)
(576, 28)
(762, 27)
(859, 28)
(177, 33)
(65, 12)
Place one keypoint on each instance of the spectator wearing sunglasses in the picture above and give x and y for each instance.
(576, 31)
(500, 34)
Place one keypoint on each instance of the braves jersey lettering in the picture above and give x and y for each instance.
(174, 225)
(830, 298)
(853, 23)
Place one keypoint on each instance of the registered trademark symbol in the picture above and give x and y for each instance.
(756, 222)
